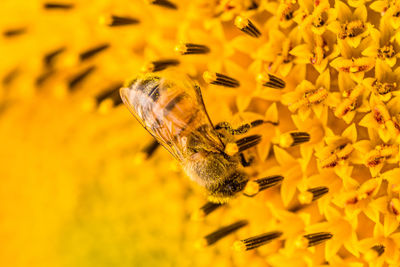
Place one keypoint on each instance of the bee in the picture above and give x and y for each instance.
(170, 107)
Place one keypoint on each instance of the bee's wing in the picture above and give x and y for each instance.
(155, 130)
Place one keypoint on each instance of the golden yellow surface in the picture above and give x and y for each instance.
(77, 189)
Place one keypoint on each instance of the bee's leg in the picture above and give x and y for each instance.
(243, 128)
(244, 161)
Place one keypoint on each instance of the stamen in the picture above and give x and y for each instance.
(380, 153)
(50, 57)
(14, 32)
(246, 26)
(77, 79)
(231, 149)
(10, 76)
(394, 207)
(190, 49)
(151, 148)
(254, 187)
(248, 142)
(221, 233)
(293, 139)
(93, 51)
(313, 194)
(164, 3)
(220, 79)
(43, 77)
(375, 252)
(58, 6)
(159, 65)
(112, 93)
(269, 80)
(205, 210)
(311, 240)
(256, 241)
(115, 21)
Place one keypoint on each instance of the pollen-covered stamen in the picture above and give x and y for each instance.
(115, 21)
(159, 65)
(313, 194)
(163, 3)
(57, 5)
(293, 139)
(286, 10)
(248, 142)
(220, 79)
(222, 232)
(374, 252)
(340, 153)
(382, 116)
(14, 32)
(351, 29)
(246, 26)
(206, 209)
(394, 207)
(189, 49)
(314, 239)
(254, 187)
(381, 153)
(320, 20)
(10, 76)
(93, 51)
(384, 88)
(350, 102)
(78, 78)
(386, 51)
(42, 78)
(51, 56)
(256, 241)
(310, 97)
(269, 80)
(112, 93)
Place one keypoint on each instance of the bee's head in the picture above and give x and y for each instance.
(226, 190)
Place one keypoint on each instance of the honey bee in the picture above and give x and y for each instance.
(171, 108)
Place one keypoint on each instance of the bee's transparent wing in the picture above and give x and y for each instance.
(154, 130)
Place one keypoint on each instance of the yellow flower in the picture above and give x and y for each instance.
(384, 44)
(385, 83)
(303, 94)
(351, 27)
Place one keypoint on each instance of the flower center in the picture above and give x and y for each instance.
(351, 29)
